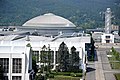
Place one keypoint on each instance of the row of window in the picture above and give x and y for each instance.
(16, 77)
(13, 78)
(107, 36)
(16, 65)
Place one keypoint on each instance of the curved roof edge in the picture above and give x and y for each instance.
(49, 20)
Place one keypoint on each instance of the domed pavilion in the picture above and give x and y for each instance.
(49, 24)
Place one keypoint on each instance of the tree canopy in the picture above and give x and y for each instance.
(83, 13)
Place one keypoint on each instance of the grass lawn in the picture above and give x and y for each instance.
(61, 77)
(112, 59)
(115, 65)
(117, 76)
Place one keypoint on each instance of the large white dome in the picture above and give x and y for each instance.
(49, 20)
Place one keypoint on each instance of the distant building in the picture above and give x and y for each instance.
(107, 38)
(115, 28)
(97, 37)
(49, 24)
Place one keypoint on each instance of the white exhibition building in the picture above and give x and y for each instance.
(16, 55)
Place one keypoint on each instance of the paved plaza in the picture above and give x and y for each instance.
(101, 69)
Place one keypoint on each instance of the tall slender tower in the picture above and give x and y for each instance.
(108, 17)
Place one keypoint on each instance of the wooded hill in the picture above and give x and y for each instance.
(83, 13)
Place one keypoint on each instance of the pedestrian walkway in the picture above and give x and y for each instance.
(100, 69)
(108, 72)
(105, 61)
(90, 75)
(112, 71)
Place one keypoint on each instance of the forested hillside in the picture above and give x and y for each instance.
(83, 13)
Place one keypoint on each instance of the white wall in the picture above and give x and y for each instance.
(11, 55)
(103, 37)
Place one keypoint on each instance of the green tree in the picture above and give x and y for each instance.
(40, 77)
(113, 50)
(116, 55)
(63, 56)
(92, 48)
(34, 66)
(74, 59)
(46, 58)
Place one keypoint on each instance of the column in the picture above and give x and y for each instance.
(54, 63)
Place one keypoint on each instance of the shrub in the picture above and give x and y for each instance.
(72, 74)
(40, 77)
(78, 74)
(51, 76)
(47, 74)
(64, 73)
(80, 70)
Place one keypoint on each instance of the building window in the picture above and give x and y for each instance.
(5, 78)
(16, 77)
(17, 65)
(56, 57)
(107, 36)
(107, 41)
(52, 56)
(4, 62)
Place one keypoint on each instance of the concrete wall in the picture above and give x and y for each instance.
(111, 39)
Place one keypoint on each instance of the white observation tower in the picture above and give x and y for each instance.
(108, 17)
